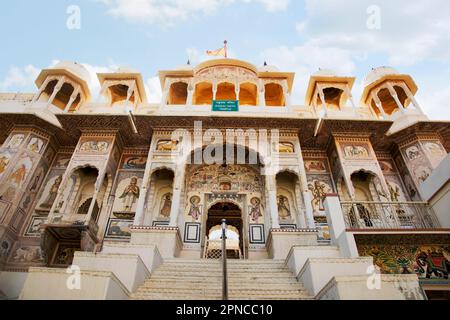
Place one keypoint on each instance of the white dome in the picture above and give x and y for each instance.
(125, 70)
(268, 68)
(378, 73)
(185, 67)
(325, 73)
(77, 69)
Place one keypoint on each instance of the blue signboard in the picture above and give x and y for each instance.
(225, 105)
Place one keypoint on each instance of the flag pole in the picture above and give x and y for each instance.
(226, 48)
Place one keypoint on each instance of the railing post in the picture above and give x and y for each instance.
(224, 260)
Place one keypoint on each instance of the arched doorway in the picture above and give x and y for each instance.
(233, 215)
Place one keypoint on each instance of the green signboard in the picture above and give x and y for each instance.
(225, 105)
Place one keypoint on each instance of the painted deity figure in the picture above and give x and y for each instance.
(194, 210)
(255, 209)
(130, 194)
(283, 207)
(318, 191)
(52, 193)
(167, 204)
(3, 163)
(394, 192)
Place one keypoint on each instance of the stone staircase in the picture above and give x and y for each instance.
(180, 279)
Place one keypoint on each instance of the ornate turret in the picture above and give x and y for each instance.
(64, 86)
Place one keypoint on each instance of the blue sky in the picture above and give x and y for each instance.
(299, 36)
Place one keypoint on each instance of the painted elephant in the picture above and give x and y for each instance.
(433, 263)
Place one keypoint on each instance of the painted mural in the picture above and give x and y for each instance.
(195, 208)
(233, 178)
(17, 177)
(16, 141)
(320, 186)
(94, 146)
(316, 166)
(35, 144)
(255, 209)
(356, 151)
(4, 161)
(134, 163)
(62, 160)
(427, 261)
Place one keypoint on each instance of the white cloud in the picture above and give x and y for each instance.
(305, 60)
(153, 90)
(436, 103)
(20, 78)
(410, 32)
(169, 12)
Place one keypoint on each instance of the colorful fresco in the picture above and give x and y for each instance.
(118, 229)
(427, 261)
(316, 166)
(134, 163)
(16, 141)
(233, 178)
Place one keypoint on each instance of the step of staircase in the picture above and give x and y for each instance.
(179, 279)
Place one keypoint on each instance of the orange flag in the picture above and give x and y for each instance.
(219, 52)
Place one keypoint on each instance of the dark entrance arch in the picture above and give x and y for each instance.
(232, 213)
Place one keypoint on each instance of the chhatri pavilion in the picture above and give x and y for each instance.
(117, 198)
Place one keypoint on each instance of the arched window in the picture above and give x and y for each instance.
(203, 94)
(119, 93)
(248, 94)
(226, 91)
(84, 208)
(178, 93)
(333, 97)
(274, 95)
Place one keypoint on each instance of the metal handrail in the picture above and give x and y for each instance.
(224, 261)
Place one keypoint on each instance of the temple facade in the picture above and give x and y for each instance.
(330, 192)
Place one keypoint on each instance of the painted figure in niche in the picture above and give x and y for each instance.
(386, 166)
(4, 161)
(225, 186)
(356, 152)
(16, 141)
(62, 162)
(285, 147)
(35, 145)
(194, 210)
(412, 153)
(283, 207)
(255, 209)
(394, 192)
(135, 163)
(94, 146)
(130, 194)
(167, 204)
(53, 192)
(434, 149)
(315, 166)
(319, 192)
(166, 145)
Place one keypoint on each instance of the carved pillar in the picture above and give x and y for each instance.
(139, 217)
(412, 98)
(56, 90)
(322, 99)
(41, 89)
(350, 97)
(271, 185)
(176, 198)
(379, 105)
(395, 96)
(72, 98)
(261, 94)
(98, 186)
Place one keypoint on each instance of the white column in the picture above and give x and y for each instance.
(139, 216)
(98, 186)
(350, 97)
(214, 91)
(72, 98)
(299, 198)
(261, 94)
(130, 91)
(41, 89)
(412, 98)
(395, 96)
(237, 90)
(379, 105)
(271, 186)
(338, 233)
(56, 89)
(305, 191)
(190, 96)
(176, 198)
(324, 103)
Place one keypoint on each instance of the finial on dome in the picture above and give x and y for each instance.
(188, 62)
(265, 63)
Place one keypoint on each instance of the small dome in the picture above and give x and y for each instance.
(77, 69)
(378, 73)
(185, 67)
(325, 73)
(125, 70)
(267, 68)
